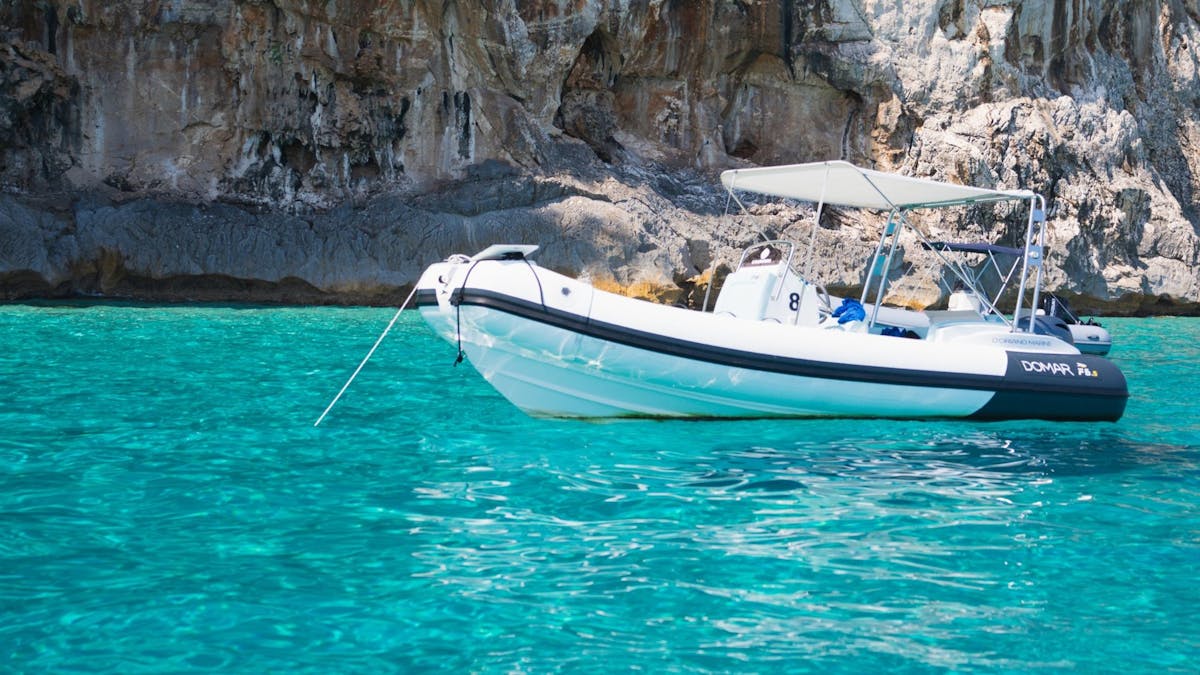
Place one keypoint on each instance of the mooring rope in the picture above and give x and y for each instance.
(367, 357)
(462, 289)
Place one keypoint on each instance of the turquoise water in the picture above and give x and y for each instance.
(167, 505)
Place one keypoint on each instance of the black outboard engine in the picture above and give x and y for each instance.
(1052, 325)
(1055, 306)
(1046, 324)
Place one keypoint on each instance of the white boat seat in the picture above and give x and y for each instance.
(963, 301)
(746, 293)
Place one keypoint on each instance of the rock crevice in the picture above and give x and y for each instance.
(346, 144)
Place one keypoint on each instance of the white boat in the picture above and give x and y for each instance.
(774, 345)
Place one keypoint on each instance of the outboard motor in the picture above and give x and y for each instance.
(1058, 307)
(1053, 325)
(1046, 324)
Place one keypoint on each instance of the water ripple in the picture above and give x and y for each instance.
(167, 505)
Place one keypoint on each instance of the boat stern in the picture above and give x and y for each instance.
(1090, 338)
(1062, 387)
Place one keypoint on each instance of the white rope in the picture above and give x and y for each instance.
(367, 357)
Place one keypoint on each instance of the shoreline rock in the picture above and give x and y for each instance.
(26, 287)
(102, 250)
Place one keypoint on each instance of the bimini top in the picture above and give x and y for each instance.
(843, 184)
(972, 248)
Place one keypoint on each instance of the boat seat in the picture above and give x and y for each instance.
(964, 301)
(746, 293)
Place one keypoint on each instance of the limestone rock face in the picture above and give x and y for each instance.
(331, 149)
(36, 111)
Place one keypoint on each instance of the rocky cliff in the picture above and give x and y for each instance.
(326, 151)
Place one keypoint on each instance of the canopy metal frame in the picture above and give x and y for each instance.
(839, 183)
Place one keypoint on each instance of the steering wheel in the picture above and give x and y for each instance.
(825, 309)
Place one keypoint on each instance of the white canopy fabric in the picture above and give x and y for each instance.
(844, 184)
